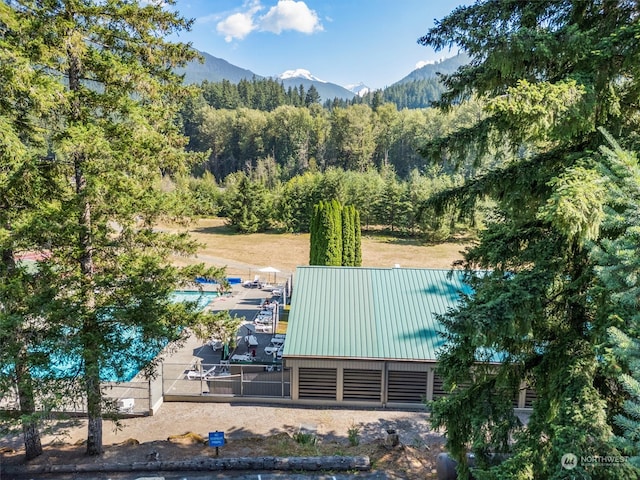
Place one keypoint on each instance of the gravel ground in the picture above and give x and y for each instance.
(242, 421)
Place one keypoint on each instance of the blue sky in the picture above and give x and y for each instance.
(340, 41)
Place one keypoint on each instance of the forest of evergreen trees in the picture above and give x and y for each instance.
(268, 93)
(257, 125)
(291, 152)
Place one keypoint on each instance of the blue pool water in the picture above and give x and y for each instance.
(203, 298)
(108, 374)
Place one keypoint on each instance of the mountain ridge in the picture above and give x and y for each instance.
(214, 69)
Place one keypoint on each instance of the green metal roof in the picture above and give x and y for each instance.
(369, 313)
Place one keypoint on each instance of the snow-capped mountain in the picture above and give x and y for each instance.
(299, 73)
(359, 89)
(215, 69)
(327, 90)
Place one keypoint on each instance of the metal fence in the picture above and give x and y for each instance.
(134, 397)
(143, 396)
(227, 380)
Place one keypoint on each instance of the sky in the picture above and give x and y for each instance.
(340, 41)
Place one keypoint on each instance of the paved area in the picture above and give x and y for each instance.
(244, 302)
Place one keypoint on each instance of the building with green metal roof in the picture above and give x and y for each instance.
(370, 313)
(368, 335)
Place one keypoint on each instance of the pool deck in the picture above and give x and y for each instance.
(243, 302)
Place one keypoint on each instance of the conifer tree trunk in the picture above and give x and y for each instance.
(92, 365)
(24, 384)
(30, 430)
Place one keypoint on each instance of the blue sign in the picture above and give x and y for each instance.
(216, 439)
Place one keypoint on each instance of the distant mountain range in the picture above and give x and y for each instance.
(216, 69)
(327, 90)
(445, 67)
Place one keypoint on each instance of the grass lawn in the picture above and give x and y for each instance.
(245, 254)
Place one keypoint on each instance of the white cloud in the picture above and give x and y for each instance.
(238, 26)
(241, 24)
(285, 15)
(290, 15)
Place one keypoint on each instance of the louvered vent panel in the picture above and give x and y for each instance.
(438, 391)
(317, 383)
(529, 398)
(407, 387)
(362, 385)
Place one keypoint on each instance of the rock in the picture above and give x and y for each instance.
(153, 456)
(129, 442)
(187, 438)
(391, 439)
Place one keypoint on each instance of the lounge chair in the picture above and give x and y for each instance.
(197, 375)
(126, 405)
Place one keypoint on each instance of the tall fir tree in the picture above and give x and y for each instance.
(247, 204)
(312, 96)
(114, 137)
(618, 268)
(27, 101)
(550, 73)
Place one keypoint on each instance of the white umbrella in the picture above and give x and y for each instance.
(270, 270)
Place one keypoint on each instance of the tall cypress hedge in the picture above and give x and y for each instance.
(348, 237)
(357, 241)
(335, 235)
(333, 232)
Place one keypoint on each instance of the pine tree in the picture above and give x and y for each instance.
(312, 96)
(247, 204)
(618, 267)
(550, 72)
(27, 101)
(114, 136)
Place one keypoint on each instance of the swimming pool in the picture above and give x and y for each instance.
(61, 367)
(203, 298)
